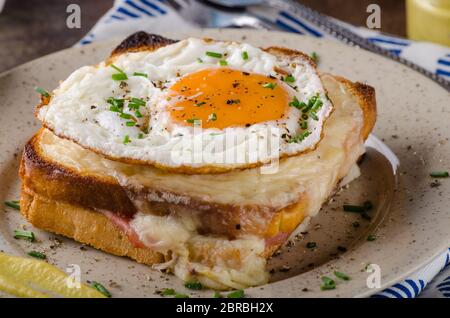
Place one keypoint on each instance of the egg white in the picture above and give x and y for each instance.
(78, 109)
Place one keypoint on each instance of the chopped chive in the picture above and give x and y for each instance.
(130, 123)
(115, 109)
(217, 295)
(25, 235)
(181, 296)
(140, 74)
(314, 116)
(439, 174)
(223, 63)
(13, 204)
(236, 294)
(42, 91)
(371, 238)
(126, 139)
(300, 137)
(269, 85)
(199, 60)
(214, 54)
(212, 117)
(315, 57)
(296, 103)
(140, 136)
(193, 285)
(354, 208)
(289, 79)
(125, 116)
(100, 288)
(138, 114)
(304, 125)
(341, 275)
(233, 101)
(200, 104)
(119, 76)
(328, 283)
(168, 292)
(138, 101)
(245, 55)
(311, 244)
(117, 69)
(36, 254)
(115, 102)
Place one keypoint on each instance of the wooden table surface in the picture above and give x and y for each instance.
(33, 28)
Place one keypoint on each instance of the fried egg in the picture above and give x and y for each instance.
(195, 106)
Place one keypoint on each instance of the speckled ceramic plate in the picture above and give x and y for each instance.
(411, 214)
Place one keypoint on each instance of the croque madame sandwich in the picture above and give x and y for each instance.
(197, 156)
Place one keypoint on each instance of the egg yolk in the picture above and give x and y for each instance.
(223, 97)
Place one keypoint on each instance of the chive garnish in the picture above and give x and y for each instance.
(36, 254)
(181, 296)
(138, 114)
(214, 54)
(311, 244)
(300, 137)
(439, 174)
(126, 139)
(140, 136)
(115, 109)
(245, 55)
(116, 103)
(168, 292)
(341, 275)
(304, 125)
(200, 104)
(119, 76)
(138, 101)
(193, 285)
(269, 85)
(100, 288)
(140, 74)
(25, 235)
(315, 57)
(125, 116)
(42, 91)
(212, 117)
(328, 283)
(354, 208)
(223, 63)
(296, 103)
(130, 123)
(236, 294)
(314, 116)
(217, 295)
(13, 204)
(371, 238)
(289, 79)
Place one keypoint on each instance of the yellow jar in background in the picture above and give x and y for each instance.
(428, 20)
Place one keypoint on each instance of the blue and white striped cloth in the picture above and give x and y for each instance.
(129, 16)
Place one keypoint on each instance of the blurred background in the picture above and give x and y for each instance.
(32, 28)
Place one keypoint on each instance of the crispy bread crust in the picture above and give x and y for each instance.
(83, 225)
(142, 41)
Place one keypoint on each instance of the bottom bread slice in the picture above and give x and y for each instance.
(83, 225)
